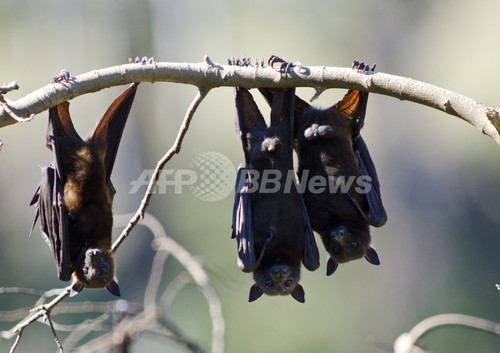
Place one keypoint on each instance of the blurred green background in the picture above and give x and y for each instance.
(440, 247)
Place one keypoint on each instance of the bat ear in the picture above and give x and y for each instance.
(255, 293)
(77, 288)
(113, 288)
(298, 293)
(371, 256)
(331, 267)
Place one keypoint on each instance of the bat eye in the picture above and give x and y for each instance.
(354, 244)
(104, 269)
(85, 270)
(269, 283)
(288, 283)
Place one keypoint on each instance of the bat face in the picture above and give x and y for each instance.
(270, 222)
(277, 279)
(74, 199)
(96, 268)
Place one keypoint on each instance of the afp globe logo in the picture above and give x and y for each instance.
(216, 176)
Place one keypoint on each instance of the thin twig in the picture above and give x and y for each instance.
(7, 87)
(83, 329)
(20, 290)
(13, 115)
(34, 315)
(161, 163)
(406, 342)
(164, 243)
(174, 287)
(47, 317)
(155, 278)
(16, 342)
(198, 275)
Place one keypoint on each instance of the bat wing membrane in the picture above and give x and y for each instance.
(110, 128)
(242, 224)
(53, 219)
(311, 253)
(354, 104)
(377, 215)
(49, 195)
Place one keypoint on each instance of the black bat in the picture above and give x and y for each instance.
(75, 195)
(270, 222)
(341, 187)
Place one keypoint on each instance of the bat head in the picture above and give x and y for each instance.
(346, 243)
(277, 279)
(96, 269)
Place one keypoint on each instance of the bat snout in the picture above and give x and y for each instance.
(279, 271)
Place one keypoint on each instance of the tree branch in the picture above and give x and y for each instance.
(406, 342)
(208, 75)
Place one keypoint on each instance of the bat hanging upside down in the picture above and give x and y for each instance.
(75, 195)
(330, 148)
(270, 224)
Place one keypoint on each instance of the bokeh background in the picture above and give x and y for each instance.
(440, 247)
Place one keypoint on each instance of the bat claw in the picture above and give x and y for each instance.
(362, 67)
(144, 61)
(235, 61)
(285, 65)
(63, 76)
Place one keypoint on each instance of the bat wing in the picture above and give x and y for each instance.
(377, 215)
(249, 119)
(282, 112)
(110, 128)
(61, 138)
(354, 105)
(298, 105)
(242, 224)
(53, 219)
(311, 253)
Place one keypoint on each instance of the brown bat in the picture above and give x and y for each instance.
(331, 150)
(75, 195)
(270, 222)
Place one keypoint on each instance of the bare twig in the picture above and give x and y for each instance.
(19, 119)
(165, 244)
(83, 329)
(7, 87)
(47, 317)
(20, 290)
(34, 315)
(406, 342)
(174, 287)
(159, 166)
(208, 74)
(155, 278)
(150, 319)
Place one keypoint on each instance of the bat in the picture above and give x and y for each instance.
(331, 151)
(75, 195)
(270, 221)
